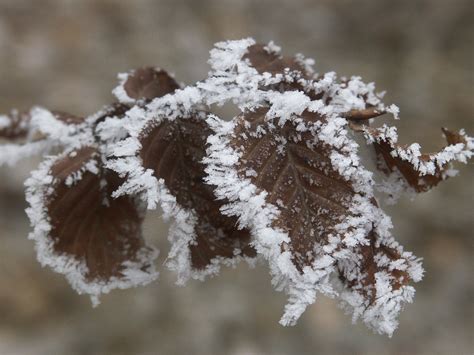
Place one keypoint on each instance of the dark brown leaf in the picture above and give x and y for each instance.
(149, 83)
(360, 277)
(362, 115)
(392, 157)
(312, 197)
(19, 126)
(290, 166)
(174, 151)
(67, 117)
(265, 61)
(87, 224)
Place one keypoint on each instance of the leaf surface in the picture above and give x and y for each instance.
(312, 197)
(148, 83)
(315, 222)
(80, 231)
(174, 150)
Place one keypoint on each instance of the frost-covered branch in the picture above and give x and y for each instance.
(283, 181)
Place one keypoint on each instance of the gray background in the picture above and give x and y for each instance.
(65, 55)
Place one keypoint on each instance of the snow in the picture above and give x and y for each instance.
(272, 48)
(284, 105)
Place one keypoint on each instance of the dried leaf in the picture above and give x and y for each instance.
(421, 171)
(67, 118)
(145, 83)
(174, 150)
(36, 132)
(80, 231)
(307, 217)
(264, 60)
(17, 125)
(312, 197)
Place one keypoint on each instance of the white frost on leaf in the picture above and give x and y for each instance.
(39, 188)
(124, 159)
(249, 204)
(459, 152)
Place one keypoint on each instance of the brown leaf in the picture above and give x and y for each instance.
(360, 277)
(89, 226)
(323, 222)
(19, 126)
(265, 61)
(149, 83)
(174, 151)
(67, 118)
(362, 115)
(422, 171)
(312, 197)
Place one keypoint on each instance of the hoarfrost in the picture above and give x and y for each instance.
(291, 92)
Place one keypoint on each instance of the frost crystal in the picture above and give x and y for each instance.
(283, 181)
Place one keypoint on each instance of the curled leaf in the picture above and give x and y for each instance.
(420, 171)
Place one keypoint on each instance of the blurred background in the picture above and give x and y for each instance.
(65, 55)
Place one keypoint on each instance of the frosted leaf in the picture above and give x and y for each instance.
(18, 124)
(95, 241)
(376, 281)
(243, 72)
(161, 160)
(420, 171)
(144, 83)
(309, 204)
(171, 152)
(297, 172)
(267, 59)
